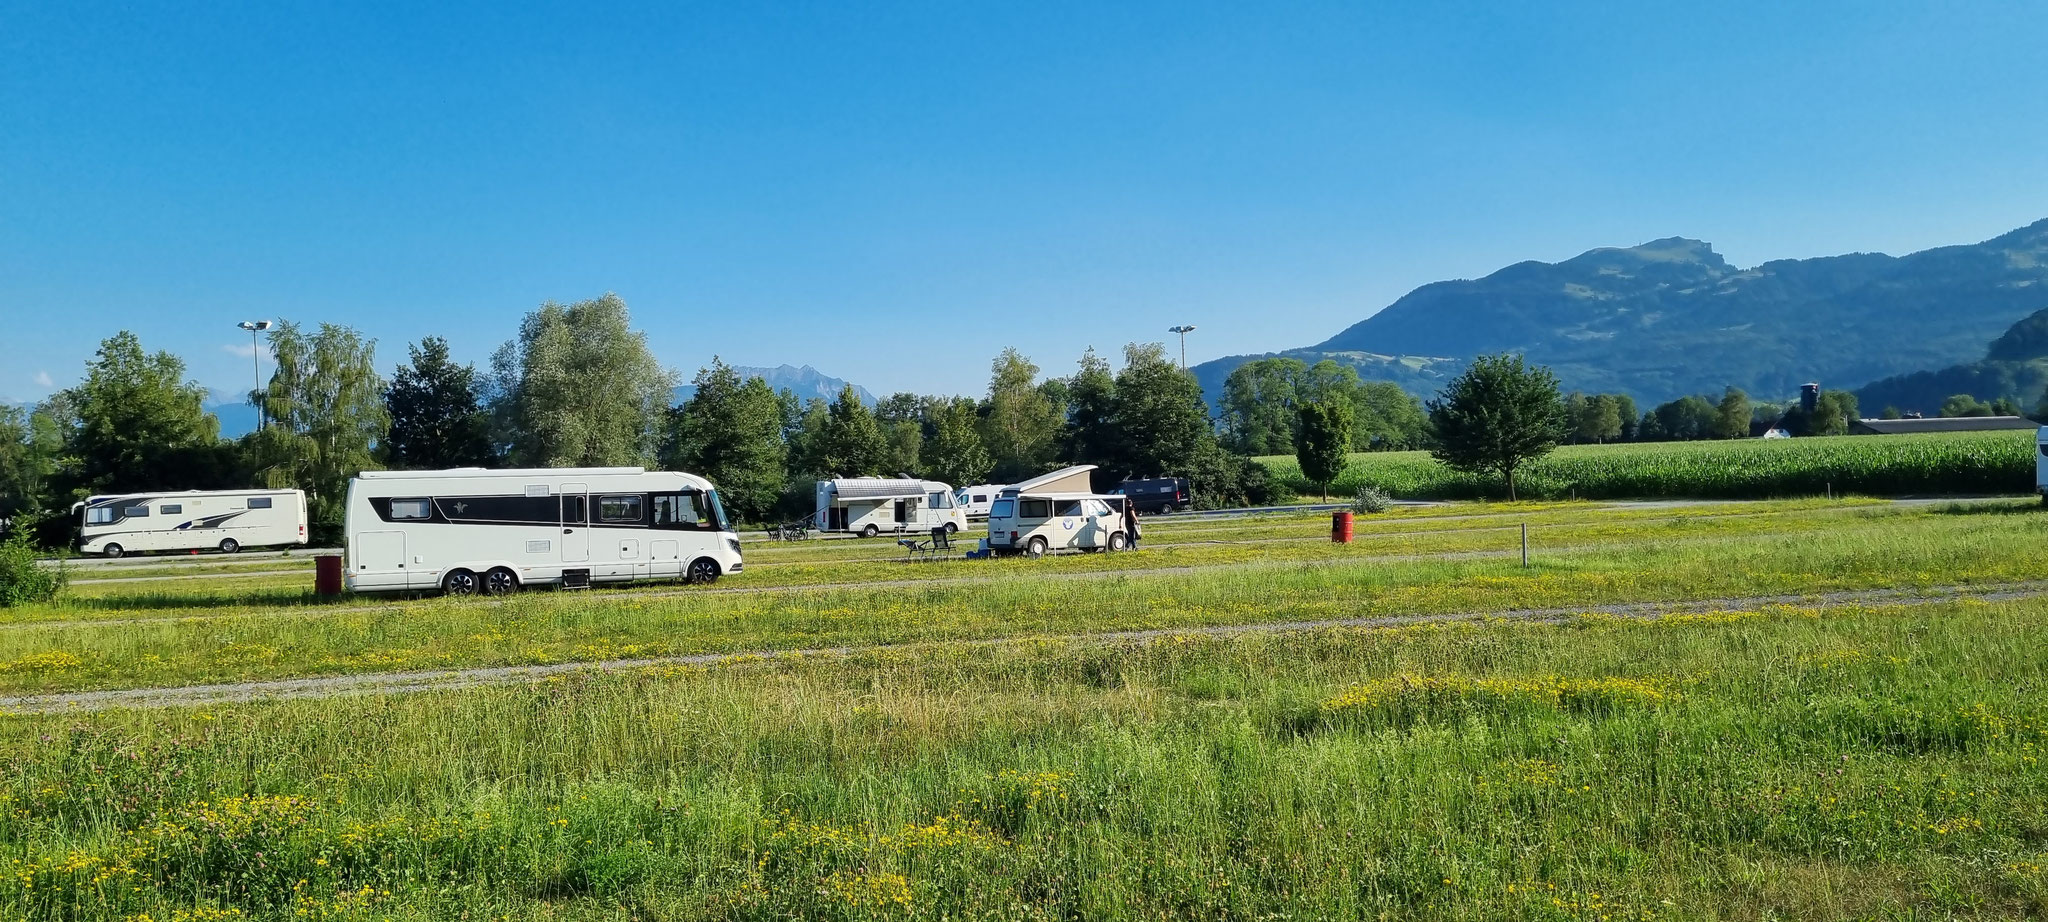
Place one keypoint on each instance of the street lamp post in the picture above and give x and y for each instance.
(1183, 330)
(256, 328)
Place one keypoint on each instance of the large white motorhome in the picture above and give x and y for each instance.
(471, 530)
(872, 505)
(193, 520)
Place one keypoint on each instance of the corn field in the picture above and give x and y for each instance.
(1890, 465)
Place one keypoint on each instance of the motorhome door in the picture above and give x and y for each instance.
(575, 523)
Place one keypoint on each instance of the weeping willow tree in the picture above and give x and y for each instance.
(324, 414)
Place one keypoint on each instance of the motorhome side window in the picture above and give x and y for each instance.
(1034, 508)
(618, 509)
(1068, 507)
(172, 509)
(261, 502)
(572, 509)
(942, 500)
(401, 509)
(135, 512)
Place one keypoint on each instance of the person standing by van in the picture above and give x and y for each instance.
(1130, 524)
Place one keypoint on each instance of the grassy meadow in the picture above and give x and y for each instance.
(969, 741)
(1939, 464)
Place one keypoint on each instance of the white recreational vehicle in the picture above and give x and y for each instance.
(224, 520)
(872, 505)
(976, 499)
(1054, 512)
(471, 530)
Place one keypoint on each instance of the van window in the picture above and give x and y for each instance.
(1034, 509)
(1068, 507)
(171, 509)
(1002, 509)
(259, 502)
(981, 497)
(407, 509)
(618, 509)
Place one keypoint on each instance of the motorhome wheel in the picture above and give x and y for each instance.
(501, 581)
(459, 582)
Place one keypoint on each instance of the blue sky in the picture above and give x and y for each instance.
(892, 192)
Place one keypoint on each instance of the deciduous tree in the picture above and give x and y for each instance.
(1323, 440)
(1497, 416)
(1731, 416)
(851, 443)
(1258, 405)
(955, 454)
(579, 387)
(730, 432)
(137, 423)
(1021, 426)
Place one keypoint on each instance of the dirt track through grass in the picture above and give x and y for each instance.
(391, 683)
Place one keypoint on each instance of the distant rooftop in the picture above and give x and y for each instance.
(1940, 424)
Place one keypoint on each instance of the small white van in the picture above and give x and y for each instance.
(1055, 512)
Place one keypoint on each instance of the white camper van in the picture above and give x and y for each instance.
(872, 505)
(975, 500)
(1054, 512)
(194, 520)
(471, 530)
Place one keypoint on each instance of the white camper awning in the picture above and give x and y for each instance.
(878, 488)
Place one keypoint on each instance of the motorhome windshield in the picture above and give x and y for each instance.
(690, 510)
(718, 512)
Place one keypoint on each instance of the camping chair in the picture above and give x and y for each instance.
(941, 542)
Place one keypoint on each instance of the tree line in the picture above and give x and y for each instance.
(578, 386)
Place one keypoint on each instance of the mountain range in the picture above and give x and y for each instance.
(1672, 317)
(806, 382)
(2015, 367)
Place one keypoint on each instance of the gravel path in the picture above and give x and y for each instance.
(391, 683)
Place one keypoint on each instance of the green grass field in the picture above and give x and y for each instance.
(1828, 710)
(1958, 464)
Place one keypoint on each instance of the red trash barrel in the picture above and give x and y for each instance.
(1340, 527)
(327, 574)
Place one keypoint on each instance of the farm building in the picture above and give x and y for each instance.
(1940, 424)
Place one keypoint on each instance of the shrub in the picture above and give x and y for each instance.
(22, 580)
(1370, 500)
